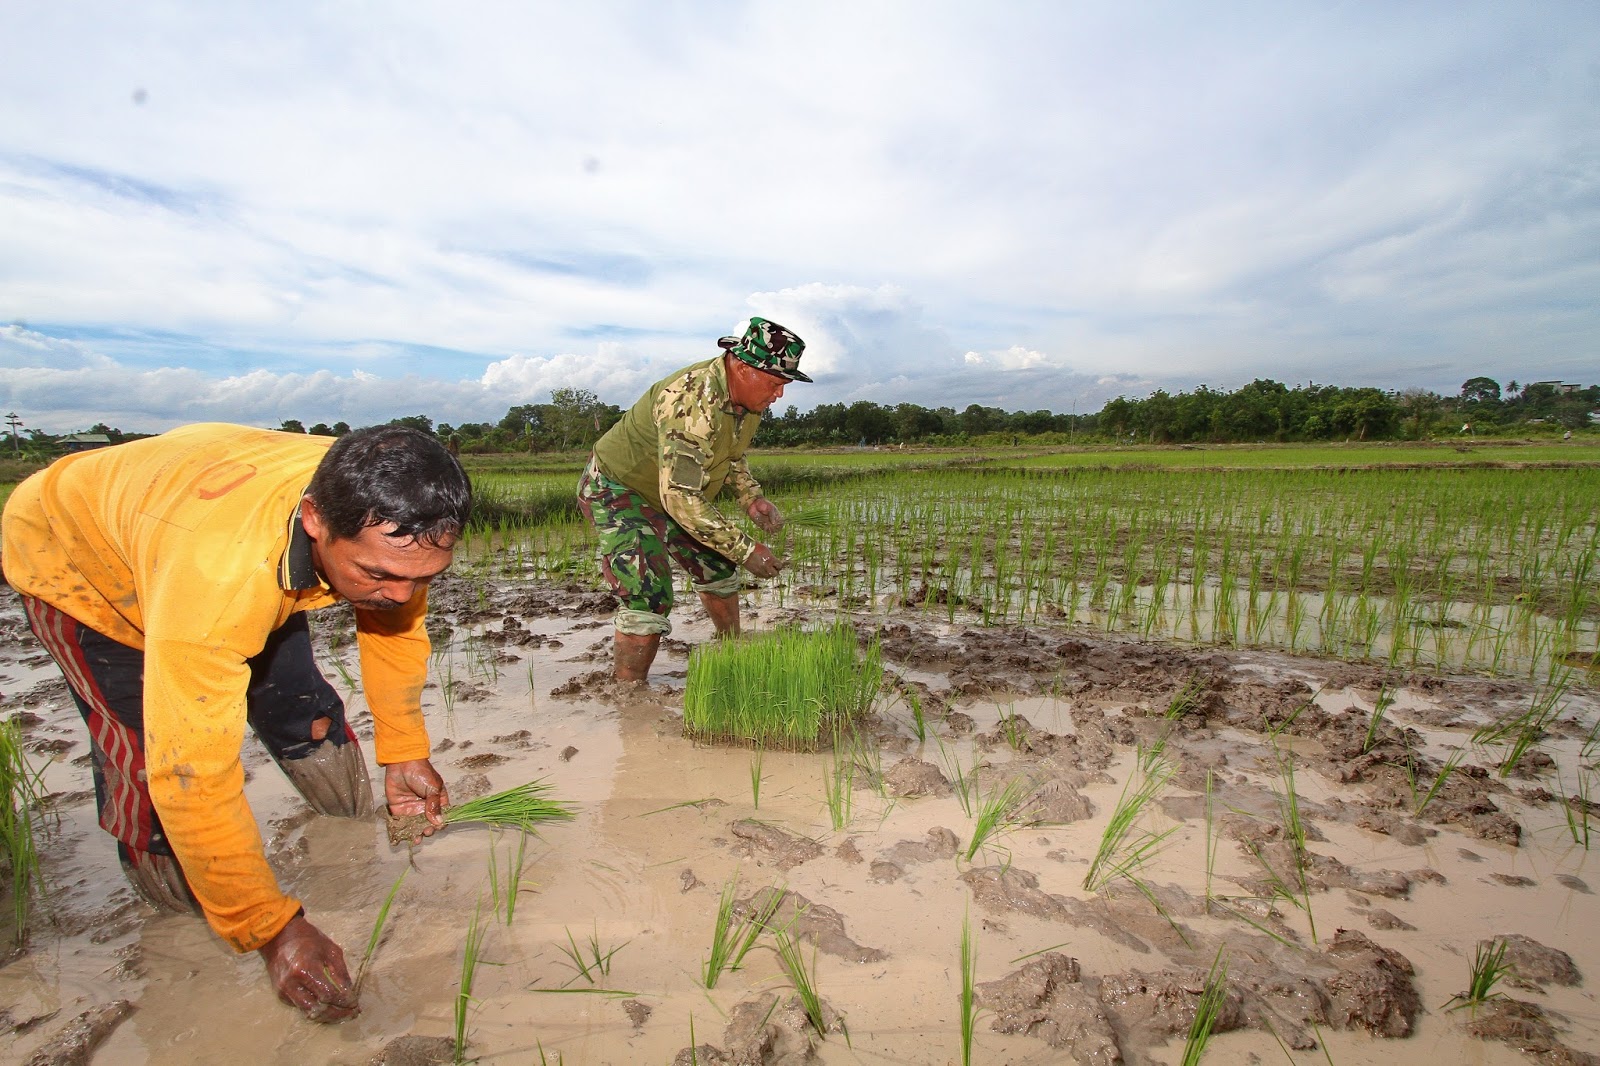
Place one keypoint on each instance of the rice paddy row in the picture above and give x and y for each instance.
(1473, 568)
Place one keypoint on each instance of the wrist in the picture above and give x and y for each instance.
(299, 915)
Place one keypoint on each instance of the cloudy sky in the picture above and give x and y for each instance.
(363, 209)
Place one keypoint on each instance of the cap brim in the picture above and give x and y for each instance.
(794, 375)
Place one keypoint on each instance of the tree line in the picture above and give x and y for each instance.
(1264, 410)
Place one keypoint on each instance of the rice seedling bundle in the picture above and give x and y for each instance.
(19, 855)
(785, 688)
(523, 807)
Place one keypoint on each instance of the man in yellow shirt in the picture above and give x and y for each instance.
(168, 578)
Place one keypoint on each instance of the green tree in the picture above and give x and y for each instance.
(418, 422)
(292, 425)
(1480, 390)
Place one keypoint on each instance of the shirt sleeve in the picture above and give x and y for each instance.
(685, 441)
(194, 719)
(394, 649)
(746, 489)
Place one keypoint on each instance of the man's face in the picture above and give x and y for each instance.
(375, 572)
(752, 389)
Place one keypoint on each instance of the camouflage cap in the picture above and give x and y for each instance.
(768, 346)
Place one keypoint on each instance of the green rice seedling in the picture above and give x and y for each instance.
(19, 853)
(471, 951)
(1576, 808)
(732, 937)
(969, 972)
(1211, 838)
(350, 682)
(523, 807)
(514, 876)
(786, 688)
(1212, 998)
(588, 959)
(965, 788)
(995, 813)
(377, 930)
(1488, 967)
(838, 788)
(1450, 765)
(918, 722)
(1380, 706)
(803, 978)
(1289, 808)
(1121, 852)
(1012, 728)
(1035, 954)
(756, 758)
(1181, 703)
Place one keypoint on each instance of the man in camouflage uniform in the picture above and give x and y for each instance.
(649, 485)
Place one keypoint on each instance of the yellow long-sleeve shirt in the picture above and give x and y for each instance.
(188, 546)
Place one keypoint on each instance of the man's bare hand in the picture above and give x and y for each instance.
(762, 563)
(415, 787)
(764, 514)
(308, 971)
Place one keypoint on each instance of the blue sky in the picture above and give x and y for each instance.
(356, 211)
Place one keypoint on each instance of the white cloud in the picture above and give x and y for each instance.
(996, 203)
(21, 347)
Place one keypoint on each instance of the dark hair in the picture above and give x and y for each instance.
(383, 474)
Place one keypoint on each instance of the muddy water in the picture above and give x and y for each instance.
(664, 824)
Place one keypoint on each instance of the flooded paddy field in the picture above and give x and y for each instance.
(1321, 739)
(1291, 830)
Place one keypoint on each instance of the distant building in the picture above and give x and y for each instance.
(82, 442)
(1558, 386)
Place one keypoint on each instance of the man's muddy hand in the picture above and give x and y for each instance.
(415, 787)
(762, 563)
(308, 971)
(764, 514)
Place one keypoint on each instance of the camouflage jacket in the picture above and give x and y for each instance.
(679, 445)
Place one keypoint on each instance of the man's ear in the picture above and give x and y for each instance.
(311, 520)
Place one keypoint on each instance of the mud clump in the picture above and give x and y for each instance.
(1046, 1000)
(760, 1032)
(1055, 802)
(913, 777)
(406, 829)
(1373, 988)
(1155, 1006)
(1526, 1027)
(940, 843)
(784, 848)
(415, 1051)
(1532, 964)
(1001, 888)
(74, 1043)
(816, 922)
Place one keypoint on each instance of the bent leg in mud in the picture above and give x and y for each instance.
(301, 721)
(106, 680)
(635, 563)
(158, 880)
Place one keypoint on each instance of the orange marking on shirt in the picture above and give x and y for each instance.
(212, 483)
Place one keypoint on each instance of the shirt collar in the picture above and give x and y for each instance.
(296, 570)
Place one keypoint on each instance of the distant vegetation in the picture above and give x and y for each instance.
(1264, 410)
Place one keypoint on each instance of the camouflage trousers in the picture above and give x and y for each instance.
(636, 543)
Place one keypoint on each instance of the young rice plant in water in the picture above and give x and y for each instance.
(784, 689)
(19, 856)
